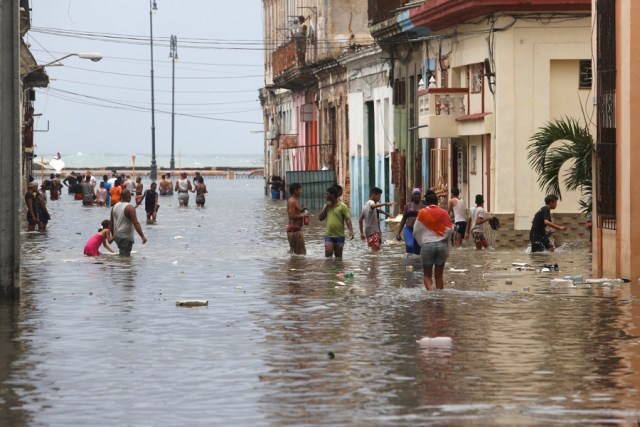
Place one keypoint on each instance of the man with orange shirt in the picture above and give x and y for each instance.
(432, 230)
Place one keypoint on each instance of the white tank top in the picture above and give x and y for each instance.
(459, 211)
(183, 185)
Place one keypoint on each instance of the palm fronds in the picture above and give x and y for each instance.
(575, 144)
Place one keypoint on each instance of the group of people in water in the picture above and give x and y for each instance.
(119, 191)
(426, 228)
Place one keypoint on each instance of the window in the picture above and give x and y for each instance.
(585, 74)
(606, 137)
(474, 159)
(399, 92)
(475, 81)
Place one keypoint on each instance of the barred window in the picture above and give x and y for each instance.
(606, 137)
(586, 77)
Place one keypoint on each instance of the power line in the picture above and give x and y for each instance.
(146, 61)
(135, 107)
(157, 90)
(163, 77)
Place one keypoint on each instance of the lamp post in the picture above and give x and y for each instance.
(173, 54)
(93, 56)
(153, 172)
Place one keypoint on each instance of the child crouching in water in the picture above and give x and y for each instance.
(100, 238)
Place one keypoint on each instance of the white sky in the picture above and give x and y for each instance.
(204, 77)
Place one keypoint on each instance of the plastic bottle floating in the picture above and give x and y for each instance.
(551, 267)
(439, 342)
(342, 275)
(561, 283)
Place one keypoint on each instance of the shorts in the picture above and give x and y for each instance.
(374, 240)
(539, 243)
(434, 253)
(461, 227)
(124, 245)
(200, 200)
(152, 211)
(478, 236)
(336, 241)
(183, 197)
(296, 242)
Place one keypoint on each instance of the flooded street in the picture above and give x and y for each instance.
(102, 342)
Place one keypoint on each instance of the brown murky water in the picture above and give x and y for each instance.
(101, 341)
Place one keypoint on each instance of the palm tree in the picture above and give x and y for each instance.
(576, 148)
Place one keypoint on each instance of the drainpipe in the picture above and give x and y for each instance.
(10, 147)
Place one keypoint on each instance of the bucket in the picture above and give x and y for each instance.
(275, 195)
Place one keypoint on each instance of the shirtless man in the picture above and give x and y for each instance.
(139, 188)
(296, 221)
(164, 186)
(170, 192)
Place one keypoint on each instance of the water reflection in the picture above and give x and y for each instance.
(99, 341)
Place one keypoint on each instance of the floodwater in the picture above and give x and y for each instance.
(101, 341)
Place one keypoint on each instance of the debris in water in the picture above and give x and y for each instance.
(561, 283)
(442, 342)
(331, 355)
(521, 264)
(178, 237)
(192, 303)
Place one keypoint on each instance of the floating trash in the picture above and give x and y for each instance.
(605, 280)
(523, 268)
(458, 270)
(192, 303)
(178, 237)
(561, 283)
(500, 275)
(440, 342)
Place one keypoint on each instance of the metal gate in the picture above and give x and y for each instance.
(314, 186)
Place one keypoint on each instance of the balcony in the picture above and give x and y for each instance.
(438, 110)
(289, 63)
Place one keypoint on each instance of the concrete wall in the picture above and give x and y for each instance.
(10, 149)
(525, 102)
(358, 136)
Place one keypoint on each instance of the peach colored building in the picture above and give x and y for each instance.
(616, 231)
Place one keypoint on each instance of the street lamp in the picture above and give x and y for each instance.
(154, 167)
(173, 54)
(93, 56)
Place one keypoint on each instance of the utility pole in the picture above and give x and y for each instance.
(173, 54)
(10, 146)
(153, 172)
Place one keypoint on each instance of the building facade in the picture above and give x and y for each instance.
(473, 81)
(616, 249)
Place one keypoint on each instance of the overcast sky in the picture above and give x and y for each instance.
(105, 107)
